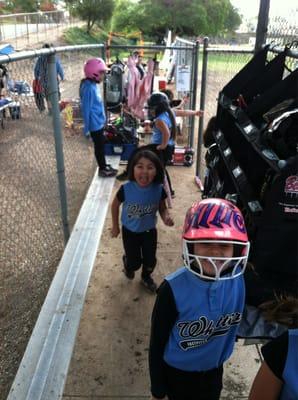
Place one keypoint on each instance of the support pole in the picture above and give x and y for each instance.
(54, 99)
(202, 107)
(262, 24)
(195, 87)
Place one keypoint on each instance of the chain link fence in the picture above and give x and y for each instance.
(31, 232)
(37, 26)
(187, 58)
(283, 29)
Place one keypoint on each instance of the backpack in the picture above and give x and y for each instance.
(115, 87)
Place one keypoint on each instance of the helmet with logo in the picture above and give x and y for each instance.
(94, 67)
(159, 102)
(215, 222)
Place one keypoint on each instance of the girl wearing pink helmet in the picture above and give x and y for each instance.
(199, 307)
(94, 113)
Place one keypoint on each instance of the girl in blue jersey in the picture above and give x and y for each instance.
(199, 307)
(141, 198)
(93, 111)
(164, 127)
(277, 378)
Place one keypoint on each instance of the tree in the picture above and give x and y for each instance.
(125, 16)
(183, 17)
(92, 11)
(22, 6)
(46, 5)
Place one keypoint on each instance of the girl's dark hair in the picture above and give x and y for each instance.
(208, 138)
(150, 156)
(168, 93)
(173, 121)
(283, 310)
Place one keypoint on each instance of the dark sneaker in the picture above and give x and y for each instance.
(106, 173)
(149, 284)
(123, 176)
(128, 273)
(109, 167)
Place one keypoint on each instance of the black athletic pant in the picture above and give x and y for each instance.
(98, 142)
(185, 385)
(140, 249)
(165, 156)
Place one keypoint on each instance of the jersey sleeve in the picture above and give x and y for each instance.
(275, 354)
(120, 194)
(86, 101)
(164, 316)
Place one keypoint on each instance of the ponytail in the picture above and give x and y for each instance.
(173, 121)
(283, 310)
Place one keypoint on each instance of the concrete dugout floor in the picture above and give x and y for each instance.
(110, 356)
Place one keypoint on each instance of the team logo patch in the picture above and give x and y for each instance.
(194, 334)
(204, 217)
(291, 185)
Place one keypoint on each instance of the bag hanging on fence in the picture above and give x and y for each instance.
(36, 86)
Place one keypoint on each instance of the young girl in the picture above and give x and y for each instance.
(164, 127)
(93, 111)
(199, 307)
(142, 197)
(277, 378)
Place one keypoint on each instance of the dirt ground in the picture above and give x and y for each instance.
(110, 356)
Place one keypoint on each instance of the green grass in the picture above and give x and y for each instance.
(77, 35)
(223, 62)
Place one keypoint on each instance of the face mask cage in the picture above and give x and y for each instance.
(223, 268)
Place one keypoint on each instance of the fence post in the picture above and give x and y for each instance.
(53, 90)
(202, 106)
(195, 88)
(262, 24)
(15, 31)
(27, 28)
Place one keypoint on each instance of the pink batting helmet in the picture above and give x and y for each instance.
(216, 221)
(93, 67)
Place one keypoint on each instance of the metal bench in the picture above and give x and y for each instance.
(43, 371)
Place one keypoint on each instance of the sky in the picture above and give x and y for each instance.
(250, 8)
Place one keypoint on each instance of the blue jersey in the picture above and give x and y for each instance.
(92, 106)
(140, 206)
(157, 134)
(208, 315)
(290, 372)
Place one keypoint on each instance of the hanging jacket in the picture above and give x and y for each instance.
(41, 70)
